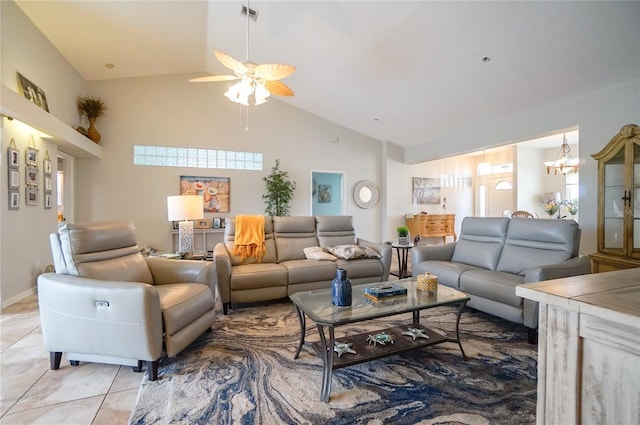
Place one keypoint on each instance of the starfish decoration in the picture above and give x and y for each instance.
(343, 347)
(415, 333)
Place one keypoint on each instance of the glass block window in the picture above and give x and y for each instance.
(168, 156)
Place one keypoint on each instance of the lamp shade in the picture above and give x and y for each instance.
(185, 207)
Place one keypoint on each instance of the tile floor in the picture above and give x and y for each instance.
(31, 393)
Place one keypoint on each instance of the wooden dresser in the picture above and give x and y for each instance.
(433, 226)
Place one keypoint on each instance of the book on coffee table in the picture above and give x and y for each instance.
(384, 291)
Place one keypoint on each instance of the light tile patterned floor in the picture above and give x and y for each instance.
(31, 393)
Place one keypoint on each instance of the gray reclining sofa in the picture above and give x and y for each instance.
(284, 269)
(494, 255)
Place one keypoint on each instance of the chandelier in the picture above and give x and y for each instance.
(564, 162)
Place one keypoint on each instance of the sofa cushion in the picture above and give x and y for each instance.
(352, 252)
(448, 273)
(183, 303)
(492, 285)
(260, 275)
(533, 243)
(293, 235)
(301, 271)
(481, 241)
(364, 268)
(335, 230)
(269, 242)
(317, 253)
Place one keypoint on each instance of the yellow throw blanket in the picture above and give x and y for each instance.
(249, 239)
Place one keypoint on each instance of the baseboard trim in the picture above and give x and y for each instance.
(17, 298)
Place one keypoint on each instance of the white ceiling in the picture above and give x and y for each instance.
(399, 71)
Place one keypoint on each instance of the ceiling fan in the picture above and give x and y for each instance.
(259, 80)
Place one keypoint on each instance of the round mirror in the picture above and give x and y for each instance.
(365, 194)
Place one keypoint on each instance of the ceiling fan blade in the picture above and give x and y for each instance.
(211, 78)
(278, 88)
(233, 64)
(274, 71)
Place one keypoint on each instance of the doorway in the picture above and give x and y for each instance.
(327, 193)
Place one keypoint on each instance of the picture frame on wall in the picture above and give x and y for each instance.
(14, 200)
(31, 195)
(13, 155)
(47, 201)
(32, 93)
(31, 176)
(216, 191)
(31, 156)
(14, 178)
(48, 186)
(426, 190)
(47, 167)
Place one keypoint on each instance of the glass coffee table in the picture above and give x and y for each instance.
(364, 347)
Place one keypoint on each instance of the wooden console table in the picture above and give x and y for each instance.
(589, 348)
(433, 226)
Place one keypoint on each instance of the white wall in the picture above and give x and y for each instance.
(599, 115)
(170, 111)
(24, 247)
(528, 178)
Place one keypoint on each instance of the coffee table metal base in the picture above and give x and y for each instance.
(367, 351)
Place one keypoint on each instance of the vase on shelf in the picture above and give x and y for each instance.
(92, 132)
(341, 289)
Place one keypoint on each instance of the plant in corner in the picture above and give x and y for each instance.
(279, 191)
(92, 108)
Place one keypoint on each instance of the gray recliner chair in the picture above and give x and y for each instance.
(108, 303)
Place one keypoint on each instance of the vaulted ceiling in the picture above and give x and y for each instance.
(399, 71)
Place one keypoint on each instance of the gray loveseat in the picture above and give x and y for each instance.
(494, 255)
(284, 269)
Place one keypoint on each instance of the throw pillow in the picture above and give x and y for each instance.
(353, 252)
(317, 253)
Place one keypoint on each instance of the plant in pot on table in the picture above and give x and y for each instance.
(403, 235)
(92, 108)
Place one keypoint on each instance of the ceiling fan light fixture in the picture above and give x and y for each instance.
(261, 94)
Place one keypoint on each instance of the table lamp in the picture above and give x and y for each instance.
(184, 208)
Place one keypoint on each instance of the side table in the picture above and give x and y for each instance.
(402, 251)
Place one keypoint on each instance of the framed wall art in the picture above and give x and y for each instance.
(31, 156)
(13, 155)
(426, 190)
(47, 164)
(14, 200)
(216, 191)
(324, 193)
(14, 179)
(47, 201)
(31, 176)
(31, 195)
(48, 187)
(32, 93)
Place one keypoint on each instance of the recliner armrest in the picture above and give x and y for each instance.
(166, 271)
(113, 318)
(574, 267)
(384, 250)
(432, 252)
(222, 259)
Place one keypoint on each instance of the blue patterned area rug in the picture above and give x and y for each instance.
(243, 372)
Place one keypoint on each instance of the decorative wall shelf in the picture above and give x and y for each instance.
(69, 141)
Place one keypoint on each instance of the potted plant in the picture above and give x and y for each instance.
(279, 191)
(92, 108)
(403, 235)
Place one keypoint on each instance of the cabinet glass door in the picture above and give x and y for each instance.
(614, 207)
(635, 201)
